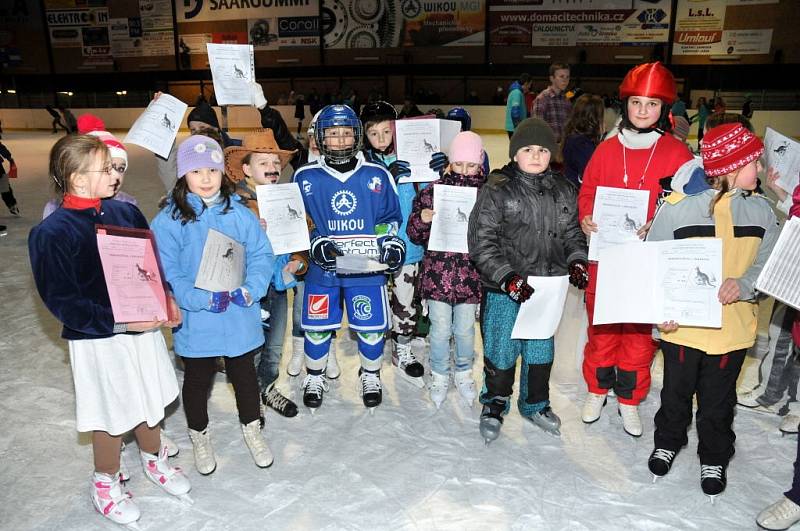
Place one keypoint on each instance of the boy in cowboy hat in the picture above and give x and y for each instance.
(259, 161)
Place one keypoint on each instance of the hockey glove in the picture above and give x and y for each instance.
(219, 301)
(399, 168)
(439, 162)
(516, 288)
(324, 252)
(578, 274)
(241, 297)
(393, 253)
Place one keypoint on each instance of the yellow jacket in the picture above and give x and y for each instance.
(749, 229)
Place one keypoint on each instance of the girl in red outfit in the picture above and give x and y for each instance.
(640, 156)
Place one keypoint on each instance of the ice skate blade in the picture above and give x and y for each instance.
(133, 525)
(711, 497)
(655, 478)
(313, 410)
(185, 498)
(371, 410)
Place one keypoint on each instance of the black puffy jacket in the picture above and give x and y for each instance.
(525, 224)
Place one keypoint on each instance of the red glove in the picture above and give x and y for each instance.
(516, 288)
(12, 171)
(578, 274)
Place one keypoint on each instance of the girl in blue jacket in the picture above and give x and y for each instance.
(214, 323)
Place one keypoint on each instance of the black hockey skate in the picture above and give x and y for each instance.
(314, 387)
(492, 418)
(273, 398)
(713, 480)
(660, 462)
(371, 388)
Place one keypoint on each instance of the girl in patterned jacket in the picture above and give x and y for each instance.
(449, 281)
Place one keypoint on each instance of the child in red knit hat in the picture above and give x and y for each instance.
(707, 361)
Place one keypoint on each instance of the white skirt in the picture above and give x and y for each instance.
(121, 381)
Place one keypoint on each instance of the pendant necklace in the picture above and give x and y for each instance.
(625, 165)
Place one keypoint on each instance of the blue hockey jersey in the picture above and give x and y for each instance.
(347, 207)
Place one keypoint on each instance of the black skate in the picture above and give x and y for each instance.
(314, 387)
(371, 389)
(274, 399)
(660, 462)
(492, 419)
(713, 480)
(407, 365)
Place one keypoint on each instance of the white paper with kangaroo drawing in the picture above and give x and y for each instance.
(619, 213)
(452, 206)
(783, 155)
(281, 206)
(156, 128)
(232, 70)
(780, 276)
(417, 139)
(222, 265)
(672, 280)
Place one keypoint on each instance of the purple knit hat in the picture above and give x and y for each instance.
(197, 152)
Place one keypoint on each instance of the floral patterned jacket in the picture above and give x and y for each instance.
(444, 276)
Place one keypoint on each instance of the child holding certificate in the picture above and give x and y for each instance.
(378, 122)
(220, 323)
(524, 223)
(638, 157)
(702, 360)
(259, 161)
(449, 281)
(122, 371)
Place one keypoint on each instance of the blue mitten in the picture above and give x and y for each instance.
(219, 301)
(439, 162)
(399, 168)
(241, 297)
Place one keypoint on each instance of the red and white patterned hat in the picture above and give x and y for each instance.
(728, 147)
(89, 124)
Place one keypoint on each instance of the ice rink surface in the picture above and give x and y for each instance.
(407, 466)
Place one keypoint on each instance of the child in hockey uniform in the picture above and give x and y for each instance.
(702, 360)
(524, 223)
(354, 208)
(378, 122)
(639, 156)
(259, 161)
(122, 371)
(448, 281)
(215, 323)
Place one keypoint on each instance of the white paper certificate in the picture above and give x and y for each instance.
(222, 265)
(282, 207)
(452, 206)
(619, 213)
(156, 128)
(417, 139)
(232, 70)
(783, 154)
(655, 282)
(539, 316)
(780, 276)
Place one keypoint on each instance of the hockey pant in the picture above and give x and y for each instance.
(367, 313)
(617, 356)
(713, 378)
(500, 354)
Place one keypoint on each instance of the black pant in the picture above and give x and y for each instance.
(688, 371)
(197, 378)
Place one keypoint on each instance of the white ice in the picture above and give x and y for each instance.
(405, 467)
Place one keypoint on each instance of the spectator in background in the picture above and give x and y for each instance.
(679, 107)
(300, 112)
(69, 120)
(747, 106)
(314, 102)
(583, 132)
(5, 187)
(700, 118)
(409, 109)
(472, 98)
(681, 128)
(551, 104)
(719, 106)
(56, 119)
(516, 111)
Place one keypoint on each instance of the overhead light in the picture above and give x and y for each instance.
(65, 93)
(725, 57)
(122, 92)
(629, 57)
(544, 57)
(11, 91)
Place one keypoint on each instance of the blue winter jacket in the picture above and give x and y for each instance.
(204, 334)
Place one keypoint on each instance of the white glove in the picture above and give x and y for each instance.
(258, 95)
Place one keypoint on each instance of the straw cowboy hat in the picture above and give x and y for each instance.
(262, 141)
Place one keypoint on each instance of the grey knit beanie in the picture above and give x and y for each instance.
(532, 132)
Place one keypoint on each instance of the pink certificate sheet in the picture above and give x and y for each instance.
(133, 274)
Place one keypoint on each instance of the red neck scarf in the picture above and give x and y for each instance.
(80, 203)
